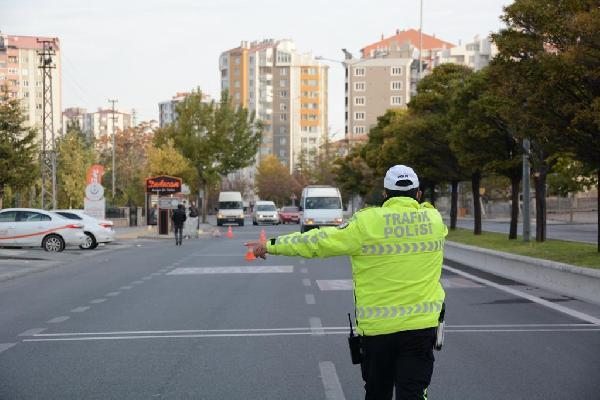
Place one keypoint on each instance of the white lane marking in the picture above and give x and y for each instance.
(317, 323)
(233, 270)
(458, 282)
(80, 309)
(306, 282)
(309, 298)
(97, 301)
(125, 287)
(518, 293)
(57, 320)
(147, 278)
(6, 346)
(112, 294)
(331, 382)
(304, 270)
(137, 282)
(316, 327)
(32, 332)
(334, 284)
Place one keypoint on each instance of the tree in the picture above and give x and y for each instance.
(130, 163)
(73, 160)
(482, 139)
(167, 160)
(217, 138)
(352, 175)
(18, 148)
(273, 180)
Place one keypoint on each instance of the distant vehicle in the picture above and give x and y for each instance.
(30, 227)
(289, 214)
(265, 212)
(321, 206)
(96, 231)
(231, 208)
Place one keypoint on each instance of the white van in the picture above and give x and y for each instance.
(231, 208)
(321, 206)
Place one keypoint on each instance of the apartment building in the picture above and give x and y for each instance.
(287, 92)
(167, 110)
(21, 77)
(476, 54)
(98, 123)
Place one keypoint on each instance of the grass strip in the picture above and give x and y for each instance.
(580, 254)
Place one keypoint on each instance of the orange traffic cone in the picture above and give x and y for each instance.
(250, 254)
(229, 233)
(263, 236)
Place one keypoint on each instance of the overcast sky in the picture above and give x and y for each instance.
(143, 52)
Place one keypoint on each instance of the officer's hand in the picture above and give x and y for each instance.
(260, 251)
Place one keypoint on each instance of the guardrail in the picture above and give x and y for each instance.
(569, 280)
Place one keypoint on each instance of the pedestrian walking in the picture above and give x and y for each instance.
(396, 252)
(179, 218)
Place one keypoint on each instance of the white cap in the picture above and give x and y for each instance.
(401, 178)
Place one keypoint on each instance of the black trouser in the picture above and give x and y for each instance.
(178, 234)
(403, 360)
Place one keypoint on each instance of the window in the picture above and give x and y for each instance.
(310, 82)
(309, 117)
(359, 101)
(396, 71)
(312, 140)
(396, 100)
(237, 60)
(358, 130)
(13, 71)
(282, 130)
(8, 216)
(359, 116)
(283, 57)
(12, 59)
(283, 107)
(283, 93)
(304, 140)
(282, 141)
(360, 86)
(283, 117)
(359, 71)
(283, 71)
(69, 215)
(396, 85)
(310, 71)
(30, 216)
(236, 84)
(283, 83)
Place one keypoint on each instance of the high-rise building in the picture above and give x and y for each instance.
(287, 92)
(167, 110)
(22, 78)
(385, 77)
(476, 54)
(98, 123)
(73, 115)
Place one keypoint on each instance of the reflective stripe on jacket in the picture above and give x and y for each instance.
(396, 252)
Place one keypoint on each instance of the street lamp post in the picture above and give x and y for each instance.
(113, 147)
(420, 42)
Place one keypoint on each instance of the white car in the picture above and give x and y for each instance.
(30, 227)
(96, 231)
(265, 212)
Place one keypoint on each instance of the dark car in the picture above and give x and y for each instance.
(289, 214)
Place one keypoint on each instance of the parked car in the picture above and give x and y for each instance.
(231, 208)
(289, 214)
(29, 227)
(265, 212)
(96, 231)
(321, 206)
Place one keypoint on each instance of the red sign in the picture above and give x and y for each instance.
(163, 184)
(94, 174)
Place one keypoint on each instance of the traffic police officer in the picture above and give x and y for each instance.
(396, 252)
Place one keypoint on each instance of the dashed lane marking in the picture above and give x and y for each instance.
(334, 284)
(137, 282)
(233, 270)
(310, 298)
(32, 332)
(316, 327)
(304, 270)
(60, 319)
(97, 301)
(80, 309)
(125, 287)
(306, 282)
(112, 294)
(331, 382)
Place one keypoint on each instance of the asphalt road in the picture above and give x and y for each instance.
(587, 233)
(149, 320)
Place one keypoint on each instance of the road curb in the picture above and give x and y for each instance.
(577, 282)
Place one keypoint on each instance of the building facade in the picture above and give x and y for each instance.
(22, 78)
(476, 54)
(96, 124)
(286, 90)
(167, 110)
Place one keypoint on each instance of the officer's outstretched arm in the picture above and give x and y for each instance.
(324, 242)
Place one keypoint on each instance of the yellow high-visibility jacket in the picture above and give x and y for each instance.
(396, 252)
